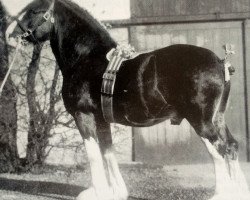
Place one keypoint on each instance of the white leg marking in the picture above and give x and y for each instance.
(100, 189)
(226, 186)
(117, 183)
(238, 177)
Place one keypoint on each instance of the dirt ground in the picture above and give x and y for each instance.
(182, 182)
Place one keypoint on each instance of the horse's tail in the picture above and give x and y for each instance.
(228, 70)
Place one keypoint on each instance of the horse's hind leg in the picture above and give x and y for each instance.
(230, 181)
(235, 171)
(100, 189)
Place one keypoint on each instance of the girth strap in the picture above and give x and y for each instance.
(115, 57)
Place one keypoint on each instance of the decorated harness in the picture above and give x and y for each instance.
(115, 56)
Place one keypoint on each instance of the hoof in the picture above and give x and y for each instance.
(88, 194)
(232, 195)
(120, 194)
(108, 194)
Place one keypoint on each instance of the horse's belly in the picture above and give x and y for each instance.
(134, 114)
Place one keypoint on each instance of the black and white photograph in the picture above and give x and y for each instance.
(124, 99)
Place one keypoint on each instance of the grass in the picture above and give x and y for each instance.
(145, 182)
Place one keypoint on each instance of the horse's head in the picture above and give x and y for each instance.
(34, 23)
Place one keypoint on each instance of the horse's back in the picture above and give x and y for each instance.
(154, 84)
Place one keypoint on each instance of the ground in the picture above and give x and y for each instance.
(145, 182)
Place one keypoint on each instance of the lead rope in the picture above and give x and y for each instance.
(18, 47)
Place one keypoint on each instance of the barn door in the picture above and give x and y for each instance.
(179, 144)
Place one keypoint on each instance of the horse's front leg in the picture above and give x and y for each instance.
(114, 176)
(100, 189)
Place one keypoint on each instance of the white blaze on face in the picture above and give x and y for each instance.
(12, 41)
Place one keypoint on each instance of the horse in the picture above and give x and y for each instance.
(171, 83)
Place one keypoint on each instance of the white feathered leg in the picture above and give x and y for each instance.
(100, 189)
(238, 178)
(230, 181)
(115, 177)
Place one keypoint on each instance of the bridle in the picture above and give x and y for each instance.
(28, 32)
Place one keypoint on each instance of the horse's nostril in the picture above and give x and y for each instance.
(11, 36)
(12, 41)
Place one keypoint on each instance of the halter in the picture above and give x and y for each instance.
(29, 31)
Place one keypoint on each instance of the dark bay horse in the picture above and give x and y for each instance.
(175, 82)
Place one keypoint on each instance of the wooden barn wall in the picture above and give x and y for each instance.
(179, 144)
(184, 9)
(247, 73)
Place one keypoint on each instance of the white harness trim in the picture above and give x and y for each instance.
(116, 56)
(229, 50)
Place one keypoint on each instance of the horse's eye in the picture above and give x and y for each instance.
(36, 11)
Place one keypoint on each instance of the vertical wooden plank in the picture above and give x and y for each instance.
(213, 6)
(121, 35)
(183, 37)
(137, 37)
(247, 77)
(203, 7)
(148, 8)
(191, 38)
(135, 8)
(239, 6)
(208, 6)
(166, 38)
(158, 40)
(183, 7)
(192, 6)
(175, 37)
(208, 37)
(245, 6)
(225, 6)
(172, 7)
(177, 7)
(158, 8)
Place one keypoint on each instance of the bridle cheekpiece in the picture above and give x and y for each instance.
(29, 31)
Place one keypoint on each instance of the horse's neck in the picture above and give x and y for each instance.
(76, 41)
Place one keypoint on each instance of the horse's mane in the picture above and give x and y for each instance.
(80, 12)
(31, 5)
(83, 14)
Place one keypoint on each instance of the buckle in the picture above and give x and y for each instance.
(27, 33)
(109, 76)
(46, 16)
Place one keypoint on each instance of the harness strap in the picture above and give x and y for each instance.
(116, 57)
(29, 31)
(18, 47)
